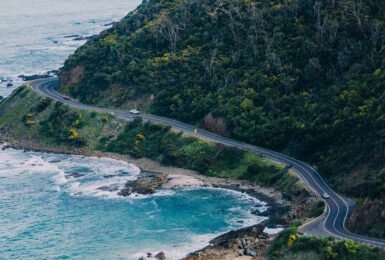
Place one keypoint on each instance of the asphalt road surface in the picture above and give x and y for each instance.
(338, 207)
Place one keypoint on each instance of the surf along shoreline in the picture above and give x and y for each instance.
(283, 209)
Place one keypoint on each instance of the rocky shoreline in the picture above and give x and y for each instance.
(283, 209)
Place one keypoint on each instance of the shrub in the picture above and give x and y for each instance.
(105, 119)
(73, 134)
(43, 104)
(317, 209)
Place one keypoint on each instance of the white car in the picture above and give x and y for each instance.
(325, 195)
(134, 111)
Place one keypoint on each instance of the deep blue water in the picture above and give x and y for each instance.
(43, 214)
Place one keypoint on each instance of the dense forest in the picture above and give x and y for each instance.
(305, 77)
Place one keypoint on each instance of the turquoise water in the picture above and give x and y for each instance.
(45, 213)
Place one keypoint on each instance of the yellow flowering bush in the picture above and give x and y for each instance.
(141, 137)
(73, 134)
(105, 119)
(292, 238)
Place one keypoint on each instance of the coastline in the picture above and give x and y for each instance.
(283, 209)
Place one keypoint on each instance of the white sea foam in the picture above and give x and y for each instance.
(26, 163)
(158, 193)
(60, 178)
(99, 177)
(193, 243)
(177, 251)
(272, 231)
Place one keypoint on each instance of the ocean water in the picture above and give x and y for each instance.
(33, 32)
(45, 212)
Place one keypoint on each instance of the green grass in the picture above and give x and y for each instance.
(53, 123)
(305, 247)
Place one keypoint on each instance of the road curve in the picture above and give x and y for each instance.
(338, 207)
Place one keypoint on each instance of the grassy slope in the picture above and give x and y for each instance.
(52, 123)
(15, 111)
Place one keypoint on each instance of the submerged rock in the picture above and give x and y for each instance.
(72, 36)
(110, 24)
(75, 175)
(109, 176)
(82, 38)
(48, 74)
(5, 147)
(111, 188)
(144, 185)
(160, 256)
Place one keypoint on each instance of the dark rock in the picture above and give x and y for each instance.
(111, 188)
(125, 192)
(5, 147)
(265, 213)
(82, 38)
(54, 161)
(1, 97)
(144, 185)
(250, 252)
(109, 176)
(75, 175)
(72, 36)
(54, 72)
(149, 255)
(109, 24)
(10, 84)
(46, 75)
(34, 77)
(224, 239)
(240, 242)
(160, 256)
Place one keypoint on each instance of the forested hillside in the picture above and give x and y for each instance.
(306, 77)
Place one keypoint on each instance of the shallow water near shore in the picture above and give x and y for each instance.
(48, 212)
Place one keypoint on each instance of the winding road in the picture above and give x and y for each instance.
(338, 207)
